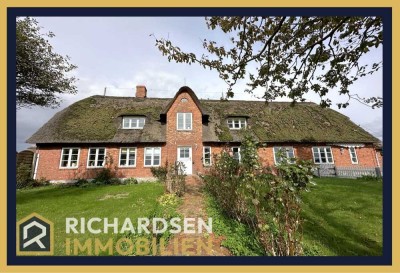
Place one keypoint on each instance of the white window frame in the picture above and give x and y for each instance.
(96, 158)
(69, 158)
(131, 125)
(233, 153)
(286, 151)
(204, 156)
(242, 123)
(128, 150)
(184, 121)
(152, 157)
(319, 154)
(355, 153)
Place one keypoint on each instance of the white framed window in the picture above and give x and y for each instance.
(96, 157)
(127, 157)
(69, 158)
(322, 155)
(286, 151)
(184, 121)
(152, 156)
(236, 123)
(236, 153)
(207, 156)
(133, 122)
(353, 155)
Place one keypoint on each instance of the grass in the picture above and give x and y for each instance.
(239, 239)
(57, 203)
(342, 217)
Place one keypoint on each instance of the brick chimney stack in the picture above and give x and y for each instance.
(141, 91)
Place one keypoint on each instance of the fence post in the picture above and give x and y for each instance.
(319, 172)
(378, 172)
(335, 170)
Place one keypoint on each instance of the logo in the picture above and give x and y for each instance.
(35, 236)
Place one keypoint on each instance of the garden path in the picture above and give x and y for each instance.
(193, 206)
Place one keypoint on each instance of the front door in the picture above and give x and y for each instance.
(185, 156)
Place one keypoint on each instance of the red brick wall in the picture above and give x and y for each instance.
(191, 138)
(49, 162)
(341, 156)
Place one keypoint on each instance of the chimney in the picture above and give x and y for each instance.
(141, 91)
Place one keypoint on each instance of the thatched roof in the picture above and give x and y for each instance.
(98, 119)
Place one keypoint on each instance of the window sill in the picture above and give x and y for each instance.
(127, 167)
(151, 166)
(95, 167)
(68, 168)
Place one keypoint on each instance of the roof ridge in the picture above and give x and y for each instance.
(201, 100)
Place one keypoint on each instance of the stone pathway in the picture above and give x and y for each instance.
(197, 244)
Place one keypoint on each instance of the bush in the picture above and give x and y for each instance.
(160, 172)
(268, 202)
(131, 181)
(223, 182)
(33, 183)
(168, 200)
(23, 176)
(105, 176)
(81, 183)
(175, 179)
(240, 239)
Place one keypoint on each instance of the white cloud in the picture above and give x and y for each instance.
(119, 54)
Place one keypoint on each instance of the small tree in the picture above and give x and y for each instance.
(41, 74)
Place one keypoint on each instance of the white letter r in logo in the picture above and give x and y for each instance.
(37, 238)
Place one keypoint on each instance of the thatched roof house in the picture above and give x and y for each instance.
(99, 119)
(82, 136)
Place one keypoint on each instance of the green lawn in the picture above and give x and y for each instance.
(343, 217)
(119, 201)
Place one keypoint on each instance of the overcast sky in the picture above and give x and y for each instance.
(119, 53)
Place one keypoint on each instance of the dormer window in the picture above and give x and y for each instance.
(236, 123)
(133, 122)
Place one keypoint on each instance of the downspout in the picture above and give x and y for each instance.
(377, 160)
(36, 165)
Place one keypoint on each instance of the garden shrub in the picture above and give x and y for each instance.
(82, 183)
(23, 176)
(175, 179)
(266, 200)
(24, 179)
(168, 200)
(105, 176)
(160, 172)
(130, 181)
(223, 182)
